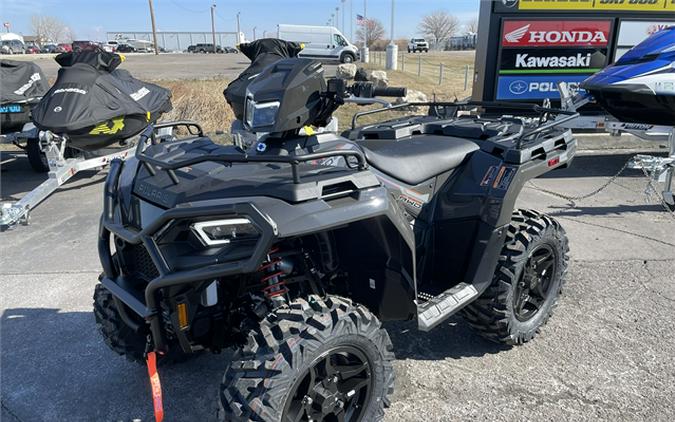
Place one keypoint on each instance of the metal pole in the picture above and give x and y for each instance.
(364, 9)
(238, 29)
(213, 27)
(419, 65)
(402, 62)
(392, 21)
(440, 75)
(163, 41)
(351, 20)
(254, 33)
(337, 16)
(154, 30)
(466, 77)
(343, 17)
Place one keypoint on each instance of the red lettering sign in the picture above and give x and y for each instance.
(568, 33)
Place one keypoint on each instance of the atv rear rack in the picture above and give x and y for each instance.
(294, 161)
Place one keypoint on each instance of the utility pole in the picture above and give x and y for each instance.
(365, 15)
(337, 16)
(343, 16)
(351, 20)
(254, 28)
(392, 21)
(213, 26)
(154, 30)
(238, 29)
(392, 48)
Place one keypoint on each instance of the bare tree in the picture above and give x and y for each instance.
(371, 30)
(471, 26)
(439, 26)
(49, 28)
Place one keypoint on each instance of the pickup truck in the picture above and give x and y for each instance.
(418, 44)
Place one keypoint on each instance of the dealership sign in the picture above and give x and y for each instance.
(534, 87)
(545, 33)
(595, 5)
(559, 60)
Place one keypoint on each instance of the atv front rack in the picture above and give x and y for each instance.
(150, 163)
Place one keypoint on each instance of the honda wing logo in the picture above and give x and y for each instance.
(517, 34)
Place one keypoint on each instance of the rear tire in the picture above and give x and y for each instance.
(285, 368)
(36, 158)
(526, 284)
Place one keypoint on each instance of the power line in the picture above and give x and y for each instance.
(187, 9)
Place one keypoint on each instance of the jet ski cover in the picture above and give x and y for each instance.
(262, 53)
(640, 86)
(96, 104)
(21, 81)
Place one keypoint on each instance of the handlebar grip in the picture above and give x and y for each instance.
(390, 92)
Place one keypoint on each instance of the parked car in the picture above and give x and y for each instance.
(32, 48)
(49, 48)
(204, 48)
(230, 50)
(63, 48)
(12, 47)
(321, 42)
(418, 44)
(84, 46)
(125, 48)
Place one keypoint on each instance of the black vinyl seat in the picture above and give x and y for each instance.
(417, 158)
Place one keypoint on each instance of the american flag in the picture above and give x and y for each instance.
(360, 20)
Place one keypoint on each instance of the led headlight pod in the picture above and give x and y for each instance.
(221, 232)
(261, 114)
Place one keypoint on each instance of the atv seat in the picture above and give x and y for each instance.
(417, 158)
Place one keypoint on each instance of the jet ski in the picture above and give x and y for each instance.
(95, 104)
(640, 86)
(23, 84)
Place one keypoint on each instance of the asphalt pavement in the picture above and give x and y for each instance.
(606, 354)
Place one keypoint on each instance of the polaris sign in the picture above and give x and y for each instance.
(534, 87)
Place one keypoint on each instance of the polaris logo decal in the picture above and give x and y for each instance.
(25, 87)
(556, 33)
(518, 87)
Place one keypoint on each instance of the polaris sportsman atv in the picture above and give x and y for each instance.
(293, 251)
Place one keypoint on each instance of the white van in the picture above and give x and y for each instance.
(321, 42)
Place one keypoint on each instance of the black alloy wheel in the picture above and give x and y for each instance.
(335, 388)
(533, 288)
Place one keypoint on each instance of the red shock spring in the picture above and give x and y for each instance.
(273, 284)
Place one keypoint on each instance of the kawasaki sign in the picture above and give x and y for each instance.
(525, 47)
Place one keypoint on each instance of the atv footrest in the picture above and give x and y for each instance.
(435, 309)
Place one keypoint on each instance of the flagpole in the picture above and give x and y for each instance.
(351, 20)
(365, 15)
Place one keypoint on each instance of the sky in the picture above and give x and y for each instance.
(91, 19)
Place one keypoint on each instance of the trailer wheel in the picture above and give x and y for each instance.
(36, 158)
(313, 360)
(121, 338)
(525, 287)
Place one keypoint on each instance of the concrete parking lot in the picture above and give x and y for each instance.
(606, 354)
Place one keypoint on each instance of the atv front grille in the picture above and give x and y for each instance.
(136, 261)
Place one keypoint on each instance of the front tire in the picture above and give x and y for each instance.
(313, 360)
(348, 58)
(529, 277)
(121, 338)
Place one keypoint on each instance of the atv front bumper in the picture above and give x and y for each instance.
(146, 304)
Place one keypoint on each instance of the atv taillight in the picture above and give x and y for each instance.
(554, 161)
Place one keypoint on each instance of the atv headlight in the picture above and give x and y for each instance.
(261, 114)
(220, 232)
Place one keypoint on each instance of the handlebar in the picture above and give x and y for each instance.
(390, 92)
